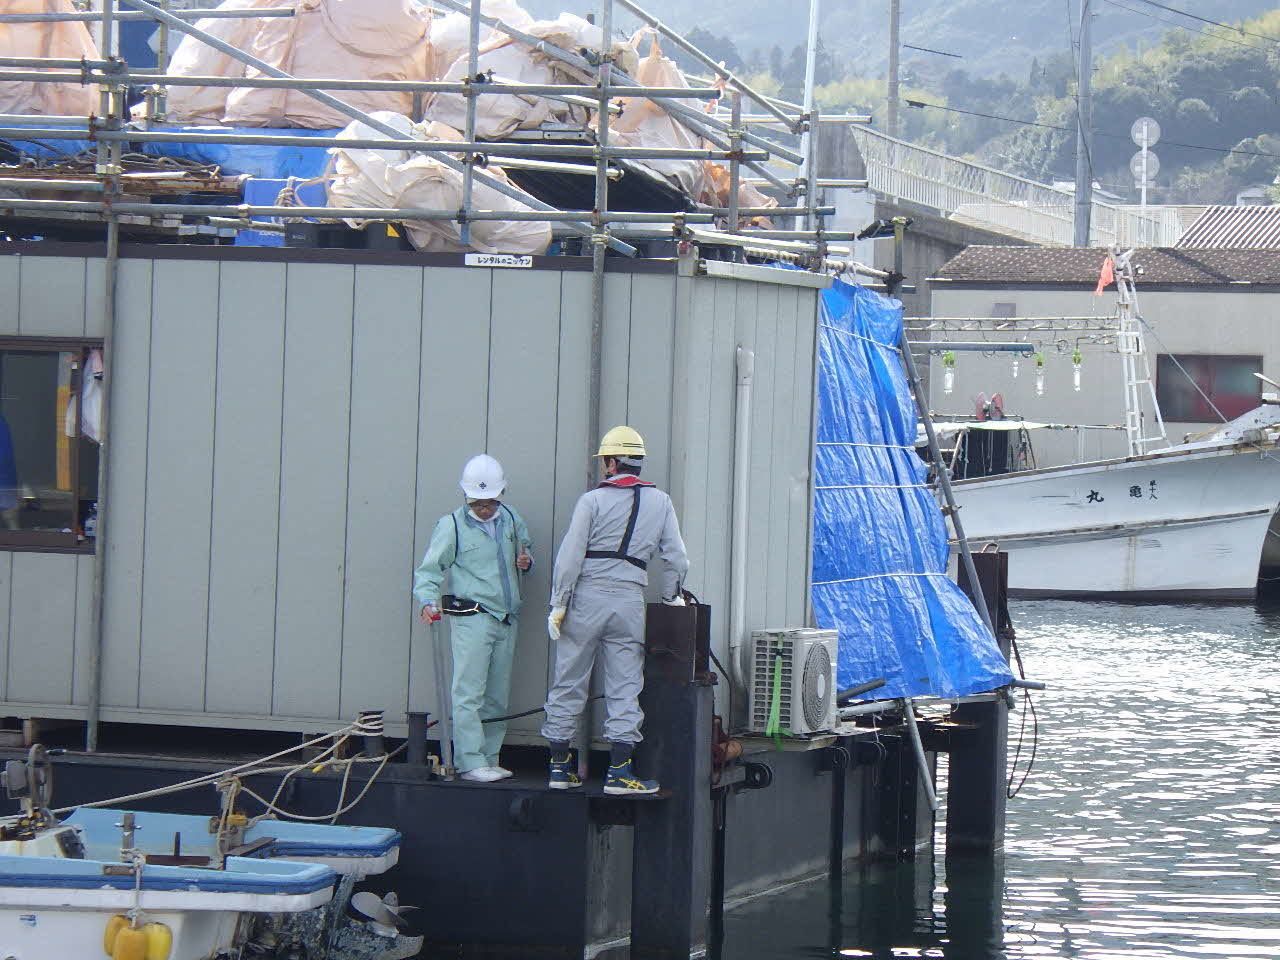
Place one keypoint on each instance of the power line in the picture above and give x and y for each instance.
(1217, 23)
(1098, 133)
(941, 53)
(1183, 26)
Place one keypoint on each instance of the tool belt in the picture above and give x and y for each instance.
(452, 606)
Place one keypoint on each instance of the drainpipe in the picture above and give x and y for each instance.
(746, 363)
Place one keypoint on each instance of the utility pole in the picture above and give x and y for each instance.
(895, 15)
(1084, 128)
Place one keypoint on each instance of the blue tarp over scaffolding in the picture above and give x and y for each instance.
(880, 542)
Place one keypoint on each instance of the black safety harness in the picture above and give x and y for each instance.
(621, 552)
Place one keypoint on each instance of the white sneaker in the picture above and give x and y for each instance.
(482, 775)
(502, 772)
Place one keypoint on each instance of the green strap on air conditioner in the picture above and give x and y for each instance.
(774, 727)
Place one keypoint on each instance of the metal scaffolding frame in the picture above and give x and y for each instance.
(738, 139)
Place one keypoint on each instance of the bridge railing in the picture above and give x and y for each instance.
(985, 197)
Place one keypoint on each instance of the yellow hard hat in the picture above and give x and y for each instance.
(621, 442)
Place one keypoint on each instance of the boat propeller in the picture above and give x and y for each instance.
(386, 915)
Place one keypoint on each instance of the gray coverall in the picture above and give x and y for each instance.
(605, 601)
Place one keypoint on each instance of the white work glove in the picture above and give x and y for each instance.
(676, 601)
(555, 620)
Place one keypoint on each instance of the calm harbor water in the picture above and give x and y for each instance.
(1149, 828)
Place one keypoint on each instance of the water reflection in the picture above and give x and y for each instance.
(1147, 830)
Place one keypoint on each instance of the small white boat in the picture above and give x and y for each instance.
(137, 885)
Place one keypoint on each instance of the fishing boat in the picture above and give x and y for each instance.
(1171, 522)
(166, 886)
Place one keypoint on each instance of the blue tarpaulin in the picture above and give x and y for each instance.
(257, 160)
(880, 543)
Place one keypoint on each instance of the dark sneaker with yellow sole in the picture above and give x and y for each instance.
(564, 773)
(622, 780)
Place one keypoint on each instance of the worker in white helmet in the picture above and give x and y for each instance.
(484, 546)
(598, 606)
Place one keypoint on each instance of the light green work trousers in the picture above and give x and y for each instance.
(482, 652)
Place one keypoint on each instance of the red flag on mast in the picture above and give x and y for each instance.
(1106, 277)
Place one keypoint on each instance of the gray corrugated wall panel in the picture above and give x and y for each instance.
(800, 494)
(572, 443)
(386, 353)
(84, 629)
(95, 286)
(523, 372)
(11, 283)
(774, 349)
(616, 350)
(175, 597)
(130, 409)
(649, 384)
(51, 299)
(42, 627)
(6, 634)
(246, 488)
(313, 490)
(451, 414)
(695, 328)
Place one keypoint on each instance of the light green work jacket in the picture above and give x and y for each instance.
(480, 567)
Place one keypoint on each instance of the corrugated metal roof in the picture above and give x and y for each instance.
(1250, 227)
(1077, 266)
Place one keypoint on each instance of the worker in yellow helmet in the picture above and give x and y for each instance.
(597, 606)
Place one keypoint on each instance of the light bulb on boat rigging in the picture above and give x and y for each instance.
(948, 371)
(1017, 360)
(1076, 359)
(1039, 374)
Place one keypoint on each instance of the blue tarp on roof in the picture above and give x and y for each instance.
(880, 543)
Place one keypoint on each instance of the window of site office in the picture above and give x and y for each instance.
(1225, 382)
(50, 415)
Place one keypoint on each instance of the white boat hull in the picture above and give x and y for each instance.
(1188, 523)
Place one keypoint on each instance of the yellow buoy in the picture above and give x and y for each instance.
(131, 944)
(159, 941)
(114, 925)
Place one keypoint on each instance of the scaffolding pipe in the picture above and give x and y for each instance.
(809, 137)
(735, 166)
(504, 88)
(717, 68)
(411, 146)
(944, 481)
(341, 213)
(469, 128)
(193, 14)
(344, 108)
(926, 774)
(111, 273)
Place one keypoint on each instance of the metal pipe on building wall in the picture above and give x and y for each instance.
(745, 361)
(469, 130)
(111, 270)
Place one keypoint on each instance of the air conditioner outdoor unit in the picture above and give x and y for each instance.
(800, 663)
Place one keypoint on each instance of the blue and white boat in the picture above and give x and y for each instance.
(69, 887)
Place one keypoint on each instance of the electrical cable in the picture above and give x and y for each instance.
(531, 712)
(920, 104)
(1183, 26)
(1217, 23)
(1010, 791)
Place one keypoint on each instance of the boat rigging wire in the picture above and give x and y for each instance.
(1010, 790)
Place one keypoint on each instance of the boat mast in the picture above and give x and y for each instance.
(1137, 363)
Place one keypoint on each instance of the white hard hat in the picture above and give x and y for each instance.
(482, 478)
